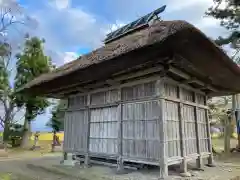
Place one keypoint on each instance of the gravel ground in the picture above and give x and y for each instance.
(48, 168)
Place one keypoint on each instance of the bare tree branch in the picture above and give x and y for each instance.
(1, 122)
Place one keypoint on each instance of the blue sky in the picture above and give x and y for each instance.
(75, 27)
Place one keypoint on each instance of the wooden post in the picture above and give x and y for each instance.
(210, 158)
(120, 160)
(237, 118)
(65, 157)
(199, 161)
(87, 158)
(163, 162)
(183, 165)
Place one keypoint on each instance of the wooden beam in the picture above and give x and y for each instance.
(116, 81)
(188, 81)
(68, 87)
(80, 90)
(112, 81)
(191, 80)
(179, 73)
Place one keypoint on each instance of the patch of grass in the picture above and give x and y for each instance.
(5, 176)
(218, 143)
(45, 148)
(10, 176)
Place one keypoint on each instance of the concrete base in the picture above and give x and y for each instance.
(68, 162)
(186, 174)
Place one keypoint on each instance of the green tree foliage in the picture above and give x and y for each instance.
(56, 121)
(218, 108)
(228, 12)
(11, 14)
(31, 63)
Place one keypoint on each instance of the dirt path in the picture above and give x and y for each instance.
(48, 168)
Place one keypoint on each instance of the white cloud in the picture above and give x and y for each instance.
(63, 4)
(59, 4)
(70, 56)
(115, 26)
(176, 5)
(207, 22)
(67, 29)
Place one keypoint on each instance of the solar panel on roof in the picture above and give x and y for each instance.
(143, 21)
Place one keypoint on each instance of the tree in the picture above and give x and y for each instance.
(11, 14)
(228, 12)
(56, 121)
(30, 64)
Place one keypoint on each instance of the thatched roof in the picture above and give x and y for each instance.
(160, 39)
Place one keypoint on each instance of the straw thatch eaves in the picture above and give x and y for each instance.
(186, 54)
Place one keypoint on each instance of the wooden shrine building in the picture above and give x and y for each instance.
(142, 97)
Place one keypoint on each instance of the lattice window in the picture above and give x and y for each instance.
(170, 90)
(139, 91)
(141, 130)
(104, 97)
(103, 130)
(200, 99)
(189, 127)
(77, 101)
(172, 130)
(187, 95)
(202, 130)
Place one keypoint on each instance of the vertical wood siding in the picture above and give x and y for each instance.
(189, 122)
(104, 97)
(75, 124)
(139, 91)
(103, 124)
(172, 129)
(103, 131)
(202, 130)
(172, 118)
(189, 130)
(77, 102)
(170, 90)
(140, 122)
(141, 130)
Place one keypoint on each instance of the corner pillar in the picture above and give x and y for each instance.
(120, 166)
(163, 161)
(183, 165)
(87, 158)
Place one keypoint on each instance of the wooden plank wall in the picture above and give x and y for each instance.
(202, 125)
(139, 107)
(173, 122)
(103, 123)
(189, 124)
(75, 125)
(140, 122)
